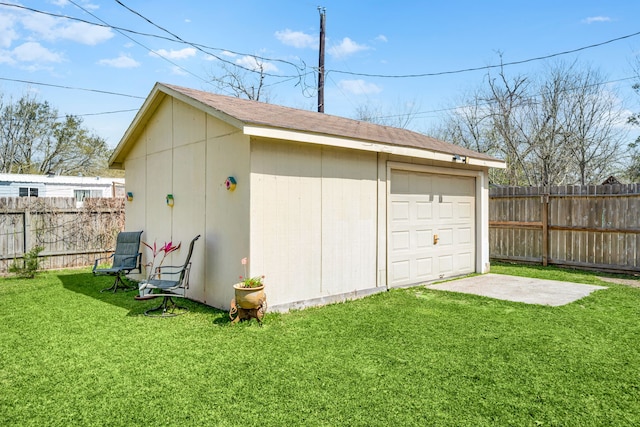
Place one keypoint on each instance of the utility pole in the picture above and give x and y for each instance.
(323, 13)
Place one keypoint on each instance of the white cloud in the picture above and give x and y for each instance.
(35, 52)
(252, 63)
(592, 19)
(346, 48)
(53, 29)
(7, 33)
(122, 61)
(382, 38)
(228, 54)
(86, 5)
(5, 57)
(359, 87)
(185, 53)
(297, 39)
(177, 71)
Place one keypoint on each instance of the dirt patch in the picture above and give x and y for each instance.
(629, 282)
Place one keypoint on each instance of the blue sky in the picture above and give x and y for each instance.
(382, 38)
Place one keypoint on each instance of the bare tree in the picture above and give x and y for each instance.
(632, 171)
(242, 82)
(399, 116)
(561, 128)
(592, 127)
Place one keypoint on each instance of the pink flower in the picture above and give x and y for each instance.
(244, 261)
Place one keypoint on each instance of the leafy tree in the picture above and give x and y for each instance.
(34, 139)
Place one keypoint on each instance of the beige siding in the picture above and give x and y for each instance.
(135, 178)
(169, 157)
(227, 212)
(159, 130)
(313, 220)
(286, 219)
(349, 206)
(189, 210)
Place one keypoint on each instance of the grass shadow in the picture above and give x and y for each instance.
(87, 284)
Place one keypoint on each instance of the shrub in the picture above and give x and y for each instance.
(30, 264)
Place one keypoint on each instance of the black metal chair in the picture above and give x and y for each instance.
(157, 285)
(126, 258)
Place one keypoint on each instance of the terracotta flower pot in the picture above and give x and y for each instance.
(249, 298)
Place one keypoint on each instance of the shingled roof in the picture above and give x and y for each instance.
(275, 116)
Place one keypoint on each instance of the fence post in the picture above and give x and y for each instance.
(545, 229)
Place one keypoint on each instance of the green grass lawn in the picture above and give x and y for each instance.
(70, 355)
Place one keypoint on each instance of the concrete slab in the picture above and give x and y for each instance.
(519, 289)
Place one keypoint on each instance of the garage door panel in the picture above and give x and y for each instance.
(465, 262)
(400, 271)
(424, 239)
(445, 210)
(401, 240)
(464, 235)
(424, 210)
(424, 268)
(445, 264)
(400, 211)
(445, 237)
(464, 210)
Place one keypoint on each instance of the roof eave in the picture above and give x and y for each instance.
(342, 142)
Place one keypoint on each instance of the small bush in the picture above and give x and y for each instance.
(30, 264)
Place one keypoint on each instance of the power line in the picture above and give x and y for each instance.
(304, 67)
(157, 36)
(465, 70)
(100, 114)
(140, 44)
(200, 48)
(72, 88)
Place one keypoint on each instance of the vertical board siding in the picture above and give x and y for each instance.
(286, 219)
(349, 221)
(590, 226)
(313, 220)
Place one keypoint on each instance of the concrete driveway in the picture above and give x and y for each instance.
(519, 289)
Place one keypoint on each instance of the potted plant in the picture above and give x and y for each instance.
(250, 290)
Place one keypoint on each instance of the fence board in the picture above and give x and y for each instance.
(594, 226)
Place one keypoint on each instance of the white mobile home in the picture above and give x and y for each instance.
(326, 208)
(25, 185)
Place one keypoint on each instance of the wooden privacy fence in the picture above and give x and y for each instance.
(71, 236)
(589, 226)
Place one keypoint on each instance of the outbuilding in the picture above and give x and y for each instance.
(80, 187)
(326, 208)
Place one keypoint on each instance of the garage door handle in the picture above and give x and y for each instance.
(435, 239)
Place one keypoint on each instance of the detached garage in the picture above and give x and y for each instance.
(326, 208)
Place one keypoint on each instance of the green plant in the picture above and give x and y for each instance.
(249, 282)
(30, 264)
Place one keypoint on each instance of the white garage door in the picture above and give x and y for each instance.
(431, 227)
